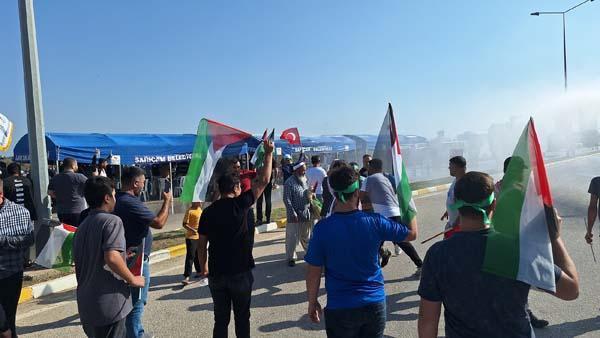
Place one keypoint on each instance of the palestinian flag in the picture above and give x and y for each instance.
(211, 141)
(524, 220)
(58, 251)
(259, 155)
(388, 151)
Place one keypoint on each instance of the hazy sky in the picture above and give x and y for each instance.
(328, 67)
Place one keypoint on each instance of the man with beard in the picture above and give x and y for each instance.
(296, 197)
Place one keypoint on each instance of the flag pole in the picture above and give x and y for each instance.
(591, 246)
(437, 235)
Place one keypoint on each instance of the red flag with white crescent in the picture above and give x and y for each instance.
(292, 136)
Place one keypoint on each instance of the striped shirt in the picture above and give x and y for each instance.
(295, 198)
(16, 236)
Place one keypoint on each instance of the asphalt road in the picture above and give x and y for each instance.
(279, 298)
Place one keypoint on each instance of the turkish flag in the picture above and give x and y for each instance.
(291, 135)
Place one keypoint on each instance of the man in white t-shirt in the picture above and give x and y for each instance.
(458, 169)
(315, 176)
(384, 201)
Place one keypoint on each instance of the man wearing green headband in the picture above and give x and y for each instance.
(477, 303)
(346, 244)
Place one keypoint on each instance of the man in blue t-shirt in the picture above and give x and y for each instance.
(137, 221)
(354, 281)
(477, 303)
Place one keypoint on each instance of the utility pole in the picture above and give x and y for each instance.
(35, 119)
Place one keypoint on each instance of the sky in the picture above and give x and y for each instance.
(327, 67)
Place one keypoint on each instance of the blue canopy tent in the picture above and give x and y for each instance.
(132, 148)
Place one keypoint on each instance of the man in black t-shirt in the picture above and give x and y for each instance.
(477, 303)
(594, 191)
(224, 224)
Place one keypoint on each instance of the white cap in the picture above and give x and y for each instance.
(298, 165)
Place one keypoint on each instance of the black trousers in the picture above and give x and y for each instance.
(410, 251)
(10, 291)
(266, 195)
(231, 290)
(70, 219)
(114, 330)
(191, 257)
(408, 248)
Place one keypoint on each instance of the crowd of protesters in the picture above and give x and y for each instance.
(341, 218)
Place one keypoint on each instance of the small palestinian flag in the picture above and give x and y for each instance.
(524, 220)
(58, 251)
(259, 155)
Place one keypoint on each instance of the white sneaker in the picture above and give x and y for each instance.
(396, 250)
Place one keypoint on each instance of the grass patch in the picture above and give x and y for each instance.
(277, 214)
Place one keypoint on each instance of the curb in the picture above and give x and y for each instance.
(425, 191)
(265, 228)
(70, 282)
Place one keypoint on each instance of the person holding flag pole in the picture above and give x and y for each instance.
(518, 163)
(483, 273)
(395, 199)
(258, 161)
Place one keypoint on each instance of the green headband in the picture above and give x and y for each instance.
(479, 206)
(350, 189)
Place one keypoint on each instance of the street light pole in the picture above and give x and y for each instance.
(35, 116)
(565, 49)
(563, 13)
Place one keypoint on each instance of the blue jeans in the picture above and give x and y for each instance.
(367, 321)
(139, 298)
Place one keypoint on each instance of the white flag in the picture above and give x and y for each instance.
(6, 130)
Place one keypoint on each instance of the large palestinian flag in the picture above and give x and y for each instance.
(211, 141)
(520, 248)
(58, 251)
(388, 151)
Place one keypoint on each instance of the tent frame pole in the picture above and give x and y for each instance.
(171, 187)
